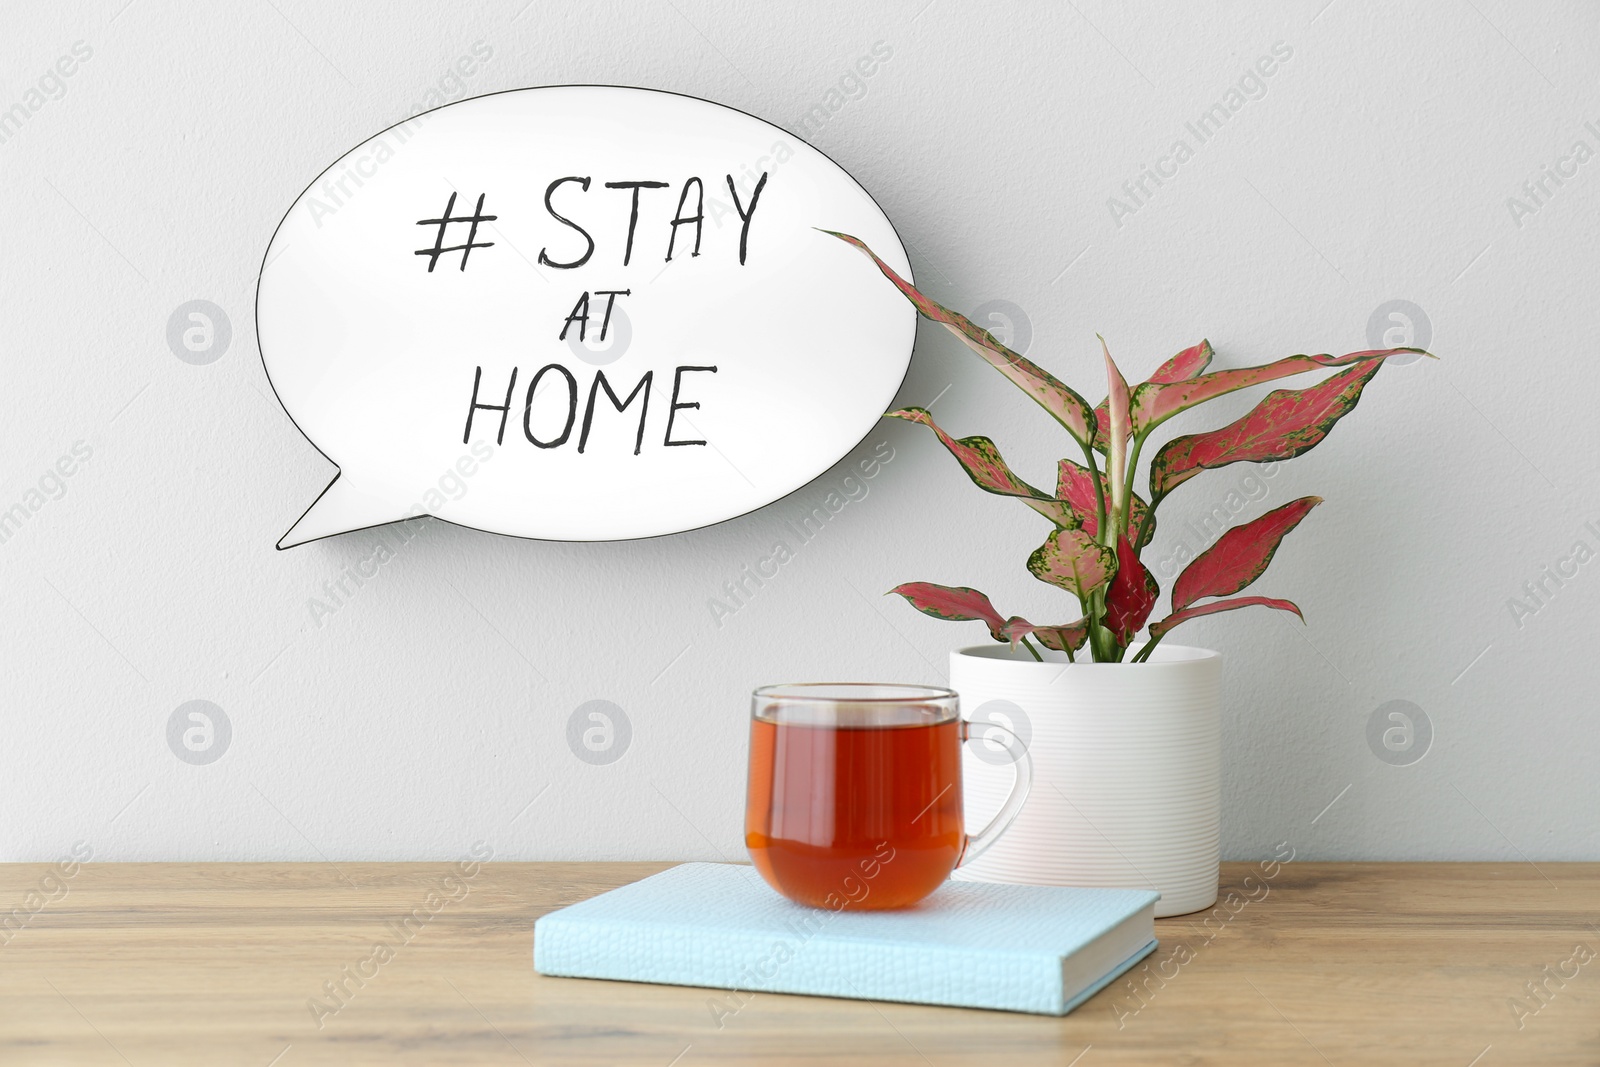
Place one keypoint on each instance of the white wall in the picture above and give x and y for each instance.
(431, 708)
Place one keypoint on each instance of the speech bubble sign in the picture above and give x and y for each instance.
(578, 313)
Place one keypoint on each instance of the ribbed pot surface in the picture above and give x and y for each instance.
(1127, 782)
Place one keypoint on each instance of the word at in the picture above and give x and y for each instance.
(1145, 983)
(580, 314)
(451, 486)
(1251, 86)
(52, 85)
(641, 390)
(739, 591)
(453, 888)
(52, 888)
(52, 485)
(336, 190)
(1538, 189)
(1552, 580)
(852, 86)
(1539, 992)
(804, 927)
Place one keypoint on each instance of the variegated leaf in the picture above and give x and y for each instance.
(953, 603)
(965, 604)
(1186, 364)
(1068, 408)
(1074, 561)
(1155, 402)
(981, 460)
(1239, 556)
(1159, 628)
(1285, 424)
(1061, 638)
(1073, 485)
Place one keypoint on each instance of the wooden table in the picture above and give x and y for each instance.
(226, 964)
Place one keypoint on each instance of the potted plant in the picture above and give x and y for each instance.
(1125, 739)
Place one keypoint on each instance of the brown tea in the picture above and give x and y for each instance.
(855, 817)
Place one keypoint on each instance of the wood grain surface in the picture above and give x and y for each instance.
(1305, 963)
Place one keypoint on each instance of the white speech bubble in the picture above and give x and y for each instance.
(376, 356)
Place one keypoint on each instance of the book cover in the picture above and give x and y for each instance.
(1041, 949)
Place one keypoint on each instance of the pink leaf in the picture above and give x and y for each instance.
(1285, 424)
(963, 604)
(981, 460)
(1239, 556)
(1159, 628)
(1061, 638)
(1155, 402)
(1068, 408)
(1076, 487)
(1117, 449)
(1072, 560)
(1064, 638)
(954, 603)
(1131, 595)
(1186, 364)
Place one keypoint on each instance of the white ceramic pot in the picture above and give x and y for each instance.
(1127, 770)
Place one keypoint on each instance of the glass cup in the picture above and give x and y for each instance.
(855, 792)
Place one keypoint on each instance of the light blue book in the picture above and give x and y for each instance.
(1041, 949)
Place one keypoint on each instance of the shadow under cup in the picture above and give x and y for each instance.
(855, 792)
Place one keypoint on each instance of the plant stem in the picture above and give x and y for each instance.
(1093, 612)
(1144, 524)
(1100, 643)
(1029, 646)
(1144, 653)
(1086, 605)
(1127, 486)
(1099, 491)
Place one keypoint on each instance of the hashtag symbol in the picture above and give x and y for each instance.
(439, 248)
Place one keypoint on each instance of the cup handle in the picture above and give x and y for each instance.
(1023, 762)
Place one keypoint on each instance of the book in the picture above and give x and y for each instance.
(1040, 949)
